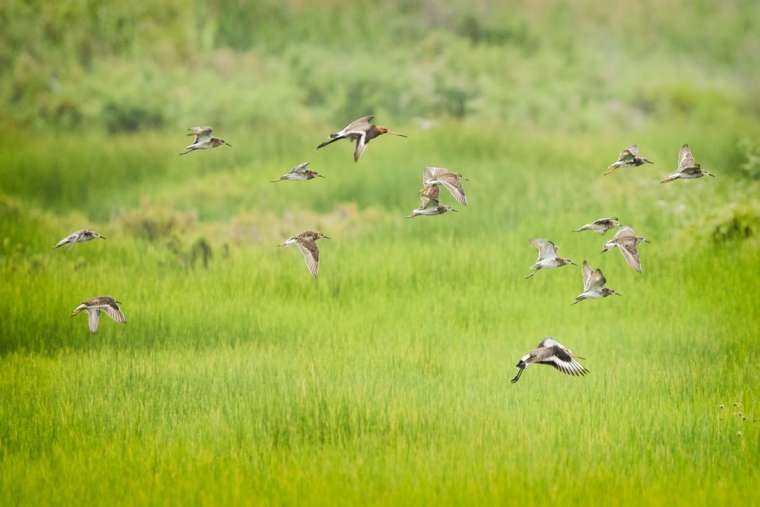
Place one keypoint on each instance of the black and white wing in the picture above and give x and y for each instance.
(561, 358)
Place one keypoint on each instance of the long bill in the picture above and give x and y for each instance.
(519, 373)
(396, 134)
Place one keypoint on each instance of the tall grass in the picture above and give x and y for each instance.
(385, 380)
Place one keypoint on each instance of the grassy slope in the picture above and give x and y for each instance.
(387, 379)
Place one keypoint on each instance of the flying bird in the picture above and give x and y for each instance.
(547, 256)
(203, 140)
(600, 225)
(629, 157)
(307, 244)
(429, 204)
(79, 237)
(452, 181)
(626, 241)
(688, 169)
(362, 131)
(554, 354)
(99, 304)
(301, 172)
(593, 285)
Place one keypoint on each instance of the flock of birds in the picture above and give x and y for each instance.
(361, 132)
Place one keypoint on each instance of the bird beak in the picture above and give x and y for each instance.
(227, 144)
(454, 210)
(397, 134)
(618, 294)
(103, 237)
(320, 176)
(325, 237)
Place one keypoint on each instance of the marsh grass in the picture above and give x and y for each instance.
(385, 381)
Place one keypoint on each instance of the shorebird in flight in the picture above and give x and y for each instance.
(429, 204)
(301, 172)
(626, 241)
(203, 140)
(99, 304)
(688, 169)
(547, 256)
(600, 225)
(362, 131)
(629, 157)
(79, 237)
(552, 353)
(307, 244)
(452, 181)
(593, 285)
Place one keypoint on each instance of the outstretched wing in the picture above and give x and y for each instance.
(596, 280)
(359, 125)
(546, 249)
(563, 360)
(200, 133)
(606, 222)
(113, 311)
(310, 253)
(68, 239)
(685, 158)
(93, 319)
(361, 145)
(630, 254)
(624, 232)
(300, 168)
(628, 154)
(453, 184)
(587, 274)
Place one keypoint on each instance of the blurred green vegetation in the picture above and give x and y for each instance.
(238, 379)
(126, 66)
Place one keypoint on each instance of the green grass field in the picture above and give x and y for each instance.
(386, 380)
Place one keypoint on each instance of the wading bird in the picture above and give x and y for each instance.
(688, 169)
(626, 240)
(547, 256)
(629, 157)
(95, 305)
(203, 140)
(301, 172)
(452, 182)
(429, 204)
(79, 237)
(593, 285)
(307, 244)
(552, 353)
(362, 131)
(601, 225)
